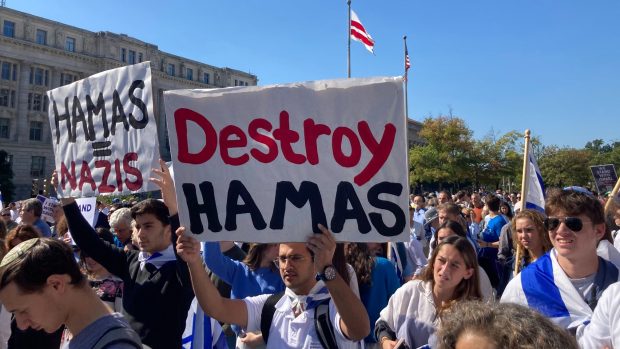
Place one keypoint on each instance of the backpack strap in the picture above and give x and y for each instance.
(323, 325)
(266, 315)
(606, 275)
(118, 334)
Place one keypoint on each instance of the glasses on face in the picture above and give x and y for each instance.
(573, 223)
(282, 260)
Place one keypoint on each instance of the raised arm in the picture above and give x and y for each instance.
(354, 321)
(232, 311)
(109, 256)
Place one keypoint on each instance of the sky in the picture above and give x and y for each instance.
(552, 66)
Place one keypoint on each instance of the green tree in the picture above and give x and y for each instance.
(445, 156)
(6, 177)
(565, 166)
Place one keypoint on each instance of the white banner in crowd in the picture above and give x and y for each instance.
(104, 133)
(268, 164)
(48, 204)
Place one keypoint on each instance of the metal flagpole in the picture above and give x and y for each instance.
(524, 189)
(349, 42)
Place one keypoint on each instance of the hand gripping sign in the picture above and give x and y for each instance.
(268, 164)
(104, 133)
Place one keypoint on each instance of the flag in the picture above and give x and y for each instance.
(535, 196)
(358, 33)
(407, 62)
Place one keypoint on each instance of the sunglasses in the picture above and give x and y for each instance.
(573, 223)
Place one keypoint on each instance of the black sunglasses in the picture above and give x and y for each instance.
(573, 223)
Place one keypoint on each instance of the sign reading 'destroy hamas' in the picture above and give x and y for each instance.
(268, 164)
(104, 133)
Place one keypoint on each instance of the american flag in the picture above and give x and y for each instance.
(358, 33)
(407, 62)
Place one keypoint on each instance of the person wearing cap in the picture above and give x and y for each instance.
(566, 284)
(42, 285)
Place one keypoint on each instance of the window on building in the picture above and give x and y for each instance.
(5, 128)
(170, 69)
(66, 79)
(189, 73)
(132, 57)
(9, 29)
(236, 82)
(6, 71)
(206, 78)
(37, 102)
(37, 166)
(36, 129)
(123, 55)
(41, 37)
(5, 97)
(39, 76)
(70, 44)
(12, 99)
(139, 57)
(14, 72)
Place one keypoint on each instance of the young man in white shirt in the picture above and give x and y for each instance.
(566, 283)
(292, 325)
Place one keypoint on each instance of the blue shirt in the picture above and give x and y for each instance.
(43, 228)
(375, 296)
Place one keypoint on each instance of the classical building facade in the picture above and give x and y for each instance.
(37, 55)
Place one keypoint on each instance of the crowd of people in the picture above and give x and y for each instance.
(479, 271)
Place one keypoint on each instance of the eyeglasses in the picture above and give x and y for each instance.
(282, 260)
(573, 223)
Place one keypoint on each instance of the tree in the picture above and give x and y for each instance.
(6, 177)
(445, 156)
(565, 166)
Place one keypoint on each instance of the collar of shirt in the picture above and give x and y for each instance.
(301, 303)
(157, 259)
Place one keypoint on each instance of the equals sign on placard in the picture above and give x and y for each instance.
(102, 148)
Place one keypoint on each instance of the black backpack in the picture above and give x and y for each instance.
(322, 322)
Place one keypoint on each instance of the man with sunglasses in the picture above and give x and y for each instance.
(566, 283)
(309, 277)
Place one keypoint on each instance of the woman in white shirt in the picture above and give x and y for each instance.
(413, 311)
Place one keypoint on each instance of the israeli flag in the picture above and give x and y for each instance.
(535, 196)
(201, 331)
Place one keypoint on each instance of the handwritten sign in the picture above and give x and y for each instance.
(605, 177)
(104, 133)
(268, 164)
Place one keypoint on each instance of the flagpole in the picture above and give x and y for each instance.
(406, 78)
(524, 189)
(612, 195)
(349, 42)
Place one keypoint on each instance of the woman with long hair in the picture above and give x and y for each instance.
(413, 311)
(377, 282)
(530, 236)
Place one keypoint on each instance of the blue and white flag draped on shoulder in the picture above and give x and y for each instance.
(201, 331)
(545, 287)
(535, 196)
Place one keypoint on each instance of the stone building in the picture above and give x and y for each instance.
(38, 54)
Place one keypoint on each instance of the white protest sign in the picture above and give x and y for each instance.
(268, 164)
(48, 208)
(104, 133)
(88, 207)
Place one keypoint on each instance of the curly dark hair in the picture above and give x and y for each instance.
(358, 255)
(505, 325)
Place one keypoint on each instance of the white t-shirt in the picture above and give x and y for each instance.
(604, 328)
(288, 331)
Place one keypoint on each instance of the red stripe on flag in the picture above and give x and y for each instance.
(361, 37)
(359, 26)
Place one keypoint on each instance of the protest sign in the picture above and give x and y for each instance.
(268, 164)
(48, 208)
(605, 177)
(104, 133)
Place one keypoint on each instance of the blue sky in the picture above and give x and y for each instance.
(551, 66)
